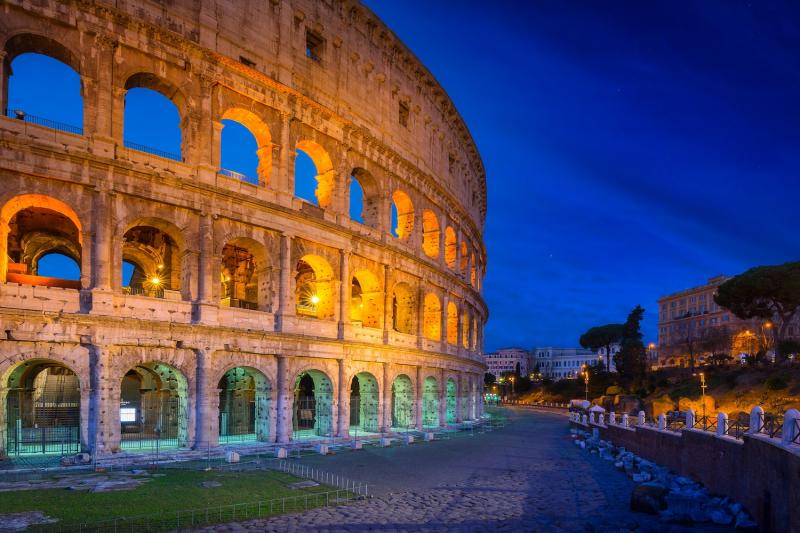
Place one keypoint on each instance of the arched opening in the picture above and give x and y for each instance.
(403, 308)
(151, 263)
(402, 215)
(432, 317)
(364, 400)
(245, 147)
(451, 393)
(313, 406)
(450, 247)
(152, 412)
(238, 152)
(243, 276)
(452, 323)
(314, 287)
(43, 242)
(365, 299)
(402, 403)
(430, 233)
(364, 195)
(42, 409)
(313, 174)
(464, 257)
(152, 121)
(44, 86)
(244, 406)
(430, 402)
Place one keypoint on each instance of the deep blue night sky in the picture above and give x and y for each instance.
(632, 149)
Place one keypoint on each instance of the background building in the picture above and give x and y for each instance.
(506, 360)
(561, 363)
(691, 324)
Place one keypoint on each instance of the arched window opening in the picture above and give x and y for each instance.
(402, 215)
(356, 201)
(314, 287)
(464, 257)
(153, 407)
(242, 277)
(452, 323)
(364, 404)
(430, 403)
(44, 245)
(403, 309)
(46, 91)
(451, 394)
(402, 403)
(153, 263)
(365, 300)
(42, 409)
(313, 406)
(313, 174)
(244, 406)
(450, 247)
(364, 198)
(432, 318)
(238, 152)
(430, 233)
(152, 121)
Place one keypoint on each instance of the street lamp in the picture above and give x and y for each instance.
(586, 381)
(703, 393)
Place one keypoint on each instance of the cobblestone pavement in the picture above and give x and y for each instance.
(524, 477)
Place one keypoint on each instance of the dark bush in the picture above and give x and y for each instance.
(776, 383)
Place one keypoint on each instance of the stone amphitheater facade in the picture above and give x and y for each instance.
(253, 289)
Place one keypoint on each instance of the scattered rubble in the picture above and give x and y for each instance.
(675, 499)
(22, 521)
(124, 480)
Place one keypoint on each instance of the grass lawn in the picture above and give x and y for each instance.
(177, 490)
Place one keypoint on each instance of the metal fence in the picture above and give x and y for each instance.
(194, 518)
(239, 176)
(153, 151)
(20, 114)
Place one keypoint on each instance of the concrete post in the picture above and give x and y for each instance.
(641, 419)
(591, 417)
(791, 427)
(612, 418)
(662, 422)
(601, 419)
(722, 424)
(756, 418)
(625, 420)
(690, 419)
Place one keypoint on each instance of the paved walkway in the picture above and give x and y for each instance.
(525, 477)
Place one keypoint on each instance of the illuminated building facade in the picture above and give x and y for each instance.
(215, 307)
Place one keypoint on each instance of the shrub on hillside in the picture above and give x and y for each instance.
(776, 383)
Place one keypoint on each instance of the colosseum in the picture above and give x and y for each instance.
(211, 306)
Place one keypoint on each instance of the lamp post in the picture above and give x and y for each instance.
(703, 393)
(586, 381)
(513, 380)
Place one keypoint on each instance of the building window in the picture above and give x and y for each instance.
(403, 112)
(315, 46)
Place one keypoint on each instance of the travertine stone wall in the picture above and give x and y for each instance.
(246, 60)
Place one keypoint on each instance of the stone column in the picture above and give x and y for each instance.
(459, 400)
(102, 94)
(285, 402)
(386, 420)
(101, 246)
(344, 291)
(118, 115)
(387, 303)
(443, 321)
(206, 306)
(87, 250)
(442, 399)
(284, 180)
(285, 300)
(421, 314)
(104, 431)
(418, 399)
(206, 404)
(5, 70)
(344, 402)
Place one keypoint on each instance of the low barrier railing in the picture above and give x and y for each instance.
(19, 114)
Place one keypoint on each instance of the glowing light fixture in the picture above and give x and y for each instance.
(155, 280)
(314, 299)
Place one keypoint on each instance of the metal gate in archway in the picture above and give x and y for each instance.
(154, 422)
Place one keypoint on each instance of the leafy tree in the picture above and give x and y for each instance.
(489, 379)
(602, 337)
(631, 360)
(767, 293)
(790, 346)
